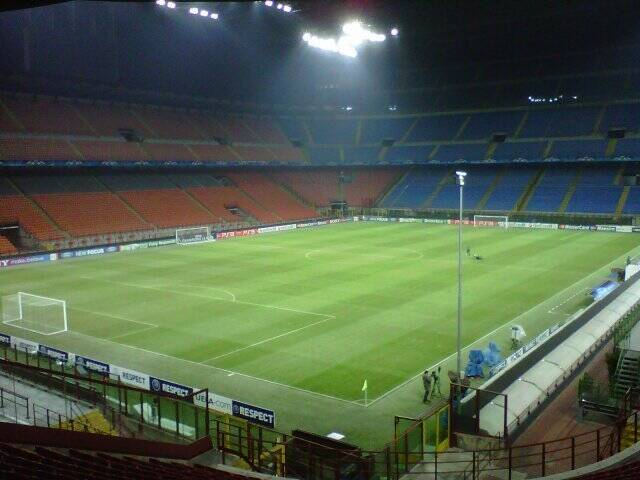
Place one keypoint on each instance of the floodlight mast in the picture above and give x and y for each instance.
(460, 177)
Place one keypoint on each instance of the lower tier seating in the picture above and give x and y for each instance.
(168, 208)
(272, 197)
(321, 186)
(15, 209)
(219, 199)
(89, 213)
(6, 247)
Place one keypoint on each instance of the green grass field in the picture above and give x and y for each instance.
(296, 321)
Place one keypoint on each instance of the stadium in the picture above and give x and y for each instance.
(320, 240)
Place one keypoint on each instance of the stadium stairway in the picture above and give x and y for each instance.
(400, 179)
(622, 201)
(523, 201)
(123, 201)
(570, 191)
(6, 247)
(38, 230)
(627, 372)
(436, 191)
(492, 186)
(94, 422)
(287, 189)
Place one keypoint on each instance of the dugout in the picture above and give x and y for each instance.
(316, 457)
(536, 367)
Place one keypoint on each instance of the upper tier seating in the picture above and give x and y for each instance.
(408, 154)
(265, 129)
(47, 116)
(483, 125)
(272, 197)
(516, 150)
(167, 124)
(107, 120)
(570, 149)
(375, 130)
(436, 127)
(325, 155)
(293, 129)
(628, 147)
(474, 152)
(333, 130)
(286, 153)
(18, 209)
(561, 122)
(254, 154)
(359, 155)
(625, 116)
(83, 214)
(237, 131)
(22, 463)
(168, 208)
(169, 152)
(213, 153)
(111, 151)
(26, 149)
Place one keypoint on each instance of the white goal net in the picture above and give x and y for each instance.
(187, 236)
(491, 221)
(43, 315)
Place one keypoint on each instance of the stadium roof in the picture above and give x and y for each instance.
(256, 53)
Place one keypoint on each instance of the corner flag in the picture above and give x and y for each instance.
(364, 386)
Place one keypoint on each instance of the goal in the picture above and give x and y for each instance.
(491, 221)
(43, 315)
(187, 236)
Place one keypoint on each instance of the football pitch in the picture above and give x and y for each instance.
(297, 321)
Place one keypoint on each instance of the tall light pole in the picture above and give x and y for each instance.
(460, 182)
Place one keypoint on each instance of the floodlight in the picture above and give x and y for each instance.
(193, 11)
(204, 13)
(279, 6)
(394, 32)
(215, 16)
(287, 8)
(162, 3)
(171, 5)
(306, 36)
(269, 3)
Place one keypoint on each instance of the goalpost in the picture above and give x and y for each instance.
(43, 315)
(491, 221)
(187, 236)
